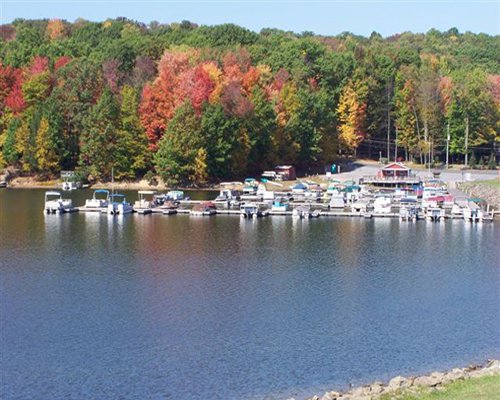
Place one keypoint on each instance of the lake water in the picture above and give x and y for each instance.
(156, 307)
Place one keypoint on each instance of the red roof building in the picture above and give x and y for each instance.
(395, 170)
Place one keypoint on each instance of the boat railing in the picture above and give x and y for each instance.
(373, 178)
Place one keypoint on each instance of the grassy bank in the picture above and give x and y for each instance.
(489, 190)
(493, 183)
(483, 388)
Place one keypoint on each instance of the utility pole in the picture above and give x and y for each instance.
(396, 146)
(447, 144)
(466, 141)
(429, 155)
(388, 124)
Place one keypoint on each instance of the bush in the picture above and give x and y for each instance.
(472, 161)
(151, 178)
(492, 164)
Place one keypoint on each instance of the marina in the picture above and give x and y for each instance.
(396, 192)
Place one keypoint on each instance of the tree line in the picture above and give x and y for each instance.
(197, 104)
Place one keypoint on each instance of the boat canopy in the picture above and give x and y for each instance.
(146, 192)
(300, 186)
(351, 188)
(101, 191)
(118, 195)
(52, 193)
(334, 183)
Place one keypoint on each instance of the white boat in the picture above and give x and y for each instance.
(175, 195)
(263, 193)
(305, 212)
(456, 211)
(473, 214)
(302, 212)
(313, 194)
(55, 204)
(429, 191)
(408, 213)
(228, 197)
(250, 186)
(250, 210)
(337, 200)
(146, 200)
(359, 206)
(333, 187)
(98, 201)
(70, 185)
(280, 205)
(435, 214)
(300, 188)
(382, 205)
(118, 205)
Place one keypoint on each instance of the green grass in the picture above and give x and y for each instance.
(494, 183)
(485, 388)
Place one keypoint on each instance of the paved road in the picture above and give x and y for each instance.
(371, 169)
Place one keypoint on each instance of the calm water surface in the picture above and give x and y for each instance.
(155, 307)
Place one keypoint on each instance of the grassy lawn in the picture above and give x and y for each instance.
(485, 388)
(494, 183)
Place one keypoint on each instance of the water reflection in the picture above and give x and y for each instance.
(203, 308)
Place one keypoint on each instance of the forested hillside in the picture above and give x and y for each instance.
(197, 104)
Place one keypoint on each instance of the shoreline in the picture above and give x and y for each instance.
(31, 183)
(412, 385)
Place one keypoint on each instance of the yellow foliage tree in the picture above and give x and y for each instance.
(55, 29)
(287, 109)
(351, 112)
(200, 174)
(46, 155)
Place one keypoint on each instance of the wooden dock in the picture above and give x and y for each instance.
(318, 206)
(103, 210)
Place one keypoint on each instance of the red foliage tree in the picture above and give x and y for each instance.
(494, 86)
(7, 32)
(61, 62)
(281, 77)
(11, 95)
(234, 102)
(250, 79)
(154, 113)
(112, 74)
(39, 65)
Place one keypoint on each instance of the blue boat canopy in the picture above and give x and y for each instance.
(300, 186)
(117, 195)
(101, 191)
(351, 188)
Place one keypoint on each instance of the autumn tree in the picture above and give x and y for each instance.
(351, 115)
(97, 157)
(405, 110)
(10, 153)
(46, 154)
(178, 158)
(130, 152)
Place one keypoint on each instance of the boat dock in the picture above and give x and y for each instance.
(396, 192)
